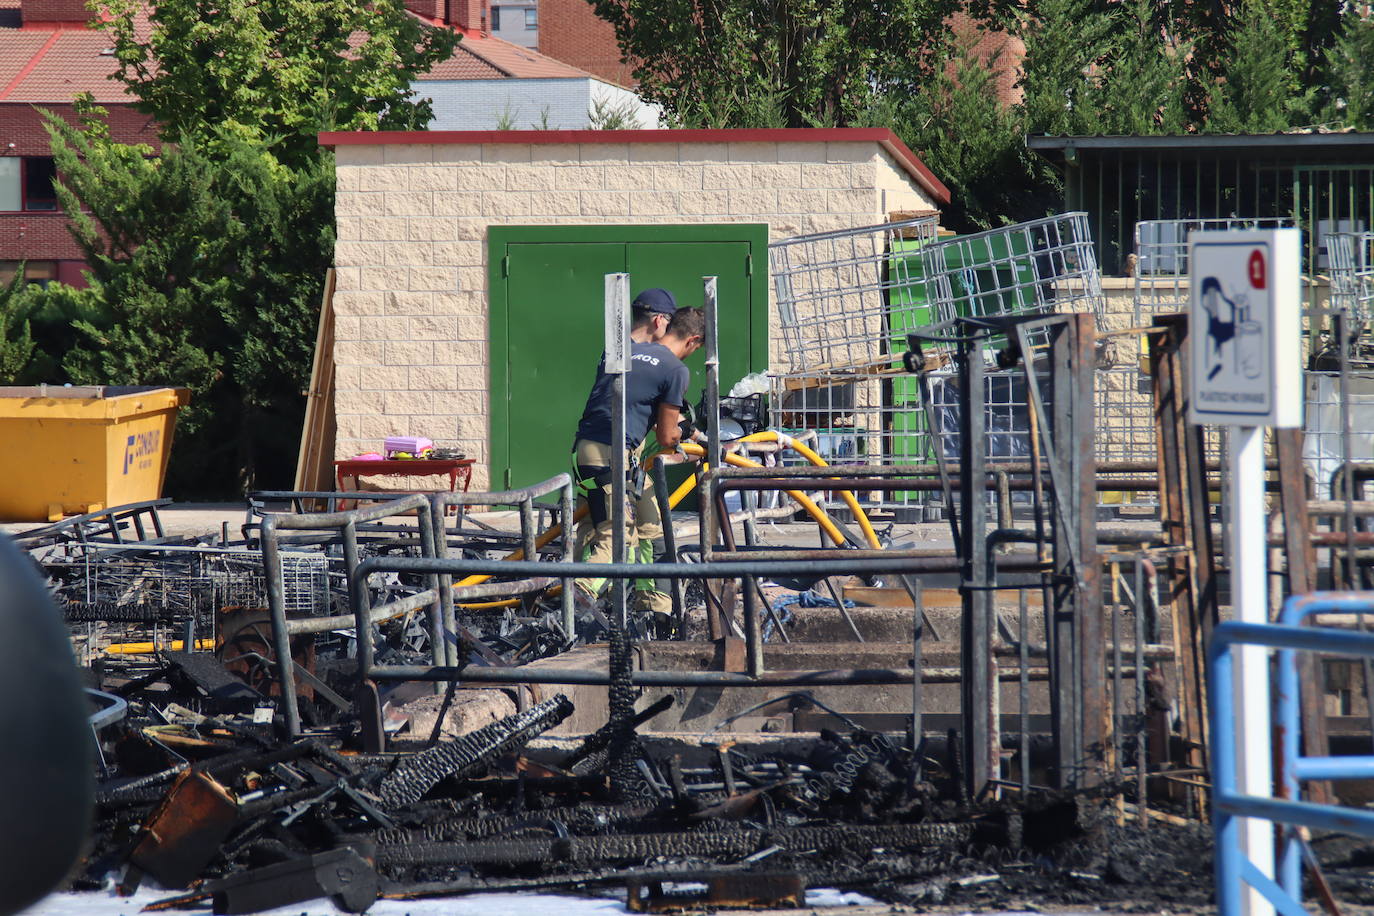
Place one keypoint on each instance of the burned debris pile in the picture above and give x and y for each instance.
(212, 805)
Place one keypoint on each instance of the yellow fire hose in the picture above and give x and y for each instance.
(148, 648)
(772, 435)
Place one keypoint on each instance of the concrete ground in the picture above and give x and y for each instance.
(188, 519)
(194, 519)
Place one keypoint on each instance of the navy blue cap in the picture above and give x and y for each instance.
(656, 300)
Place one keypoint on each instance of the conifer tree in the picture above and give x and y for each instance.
(1140, 89)
(969, 137)
(1350, 71)
(1258, 90)
(1067, 43)
(16, 342)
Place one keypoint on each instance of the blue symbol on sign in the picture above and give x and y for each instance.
(1230, 332)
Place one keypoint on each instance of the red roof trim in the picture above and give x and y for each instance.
(885, 138)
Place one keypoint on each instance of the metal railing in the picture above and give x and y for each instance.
(523, 500)
(345, 524)
(1234, 868)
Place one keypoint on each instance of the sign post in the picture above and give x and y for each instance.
(1246, 374)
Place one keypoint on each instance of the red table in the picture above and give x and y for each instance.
(455, 468)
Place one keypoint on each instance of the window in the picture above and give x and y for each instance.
(39, 272)
(496, 18)
(531, 19)
(11, 183)
(27, 183)
(39, 175)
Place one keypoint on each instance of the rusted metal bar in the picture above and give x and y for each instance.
(1301, 560)
(1079, 337)
(1191, 591)
(928, 470)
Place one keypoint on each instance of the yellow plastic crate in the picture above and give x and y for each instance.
(72, 450)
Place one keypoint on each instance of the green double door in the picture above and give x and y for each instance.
(547, 288)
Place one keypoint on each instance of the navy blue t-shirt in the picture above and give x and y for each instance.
(656, 377)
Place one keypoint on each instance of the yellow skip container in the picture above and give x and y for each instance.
(74, 450)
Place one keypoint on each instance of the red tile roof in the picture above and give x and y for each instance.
(465, 65)
(16, 50)
(52, 65)
(516, 62)
(69, 61)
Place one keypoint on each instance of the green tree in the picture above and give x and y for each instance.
(1141, 89)
(784, 63)
(1093, 70)
(205, 263)
(971, 139)
(1066, 41)
(1350, 72)
(16, 342)
(1259, 90)
(207, 257)
(277, 72)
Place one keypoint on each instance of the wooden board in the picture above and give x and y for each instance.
(315, 461)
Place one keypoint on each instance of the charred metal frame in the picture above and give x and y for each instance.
(523, 499)
(1064, 442)
(1191, 592)
(1063, 561)
(346, 526)
(439, 595)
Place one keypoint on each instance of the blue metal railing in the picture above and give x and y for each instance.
(1233, 869)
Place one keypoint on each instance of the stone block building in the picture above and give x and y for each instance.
(413, 309)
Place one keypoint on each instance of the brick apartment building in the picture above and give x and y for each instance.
(48, 55)
(570, 31)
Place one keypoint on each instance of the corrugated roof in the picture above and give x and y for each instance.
(1193, 142)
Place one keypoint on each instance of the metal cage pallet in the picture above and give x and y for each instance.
(115, 583)
(847, 300)
(1351, 257)
(1161, 252)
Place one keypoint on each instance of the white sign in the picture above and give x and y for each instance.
(1245, 328)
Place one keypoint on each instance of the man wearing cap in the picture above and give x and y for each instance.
(655, 390)
(649, 315)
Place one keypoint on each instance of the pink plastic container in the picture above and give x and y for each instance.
(415, 446)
